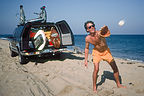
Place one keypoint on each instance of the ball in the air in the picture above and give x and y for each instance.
(121, 23)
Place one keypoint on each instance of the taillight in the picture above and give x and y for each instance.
(32, 34)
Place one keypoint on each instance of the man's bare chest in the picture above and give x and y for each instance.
(95, 40)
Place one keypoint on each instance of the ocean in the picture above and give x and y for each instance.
(121, 46)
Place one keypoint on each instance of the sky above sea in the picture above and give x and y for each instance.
(77, 12)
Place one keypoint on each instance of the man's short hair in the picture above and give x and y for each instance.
(85, 25)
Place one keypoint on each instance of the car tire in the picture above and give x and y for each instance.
(12, 53)
(22, 59)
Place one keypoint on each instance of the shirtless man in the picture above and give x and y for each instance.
(100, 51)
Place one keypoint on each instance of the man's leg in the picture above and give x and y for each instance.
(116, 74)
(95, 72)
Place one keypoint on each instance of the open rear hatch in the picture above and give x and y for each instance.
(39, 36)
(67, 37)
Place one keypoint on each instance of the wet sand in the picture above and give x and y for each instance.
(66, 76)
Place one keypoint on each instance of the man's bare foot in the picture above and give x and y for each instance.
(94, 90)
(121, 86)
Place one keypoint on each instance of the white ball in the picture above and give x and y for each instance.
(121, 23)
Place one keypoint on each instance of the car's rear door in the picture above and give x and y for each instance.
(67, 37)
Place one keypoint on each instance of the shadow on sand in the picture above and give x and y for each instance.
(107, 75)
(50, 57)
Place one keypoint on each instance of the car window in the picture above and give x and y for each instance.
(64, 28)
(17, 32)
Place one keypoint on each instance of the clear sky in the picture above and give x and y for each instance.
(76, 12)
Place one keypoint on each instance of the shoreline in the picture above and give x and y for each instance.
(66, 76)
(79, 51)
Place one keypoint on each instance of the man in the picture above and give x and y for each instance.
(100, 51)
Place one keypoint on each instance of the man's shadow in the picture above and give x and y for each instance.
(107, 75)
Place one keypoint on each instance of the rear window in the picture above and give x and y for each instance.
(64, 28)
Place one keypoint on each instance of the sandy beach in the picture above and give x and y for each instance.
(66, 76)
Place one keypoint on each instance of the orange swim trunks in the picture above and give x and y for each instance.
(98, 56)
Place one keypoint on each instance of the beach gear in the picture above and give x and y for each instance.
(55, 38)
(39, 40)
(42, 16)
(22, 16)
(121, 22)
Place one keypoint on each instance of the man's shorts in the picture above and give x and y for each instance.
(98, 56)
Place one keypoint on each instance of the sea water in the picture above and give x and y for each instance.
(121, 46)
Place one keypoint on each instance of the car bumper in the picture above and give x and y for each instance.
(45, 51)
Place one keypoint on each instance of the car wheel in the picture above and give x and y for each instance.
(12, 53)
(22, 59)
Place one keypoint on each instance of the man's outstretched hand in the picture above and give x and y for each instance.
(86, 64)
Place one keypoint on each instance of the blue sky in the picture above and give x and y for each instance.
(76, 12)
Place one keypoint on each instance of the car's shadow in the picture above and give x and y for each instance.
(51, 57)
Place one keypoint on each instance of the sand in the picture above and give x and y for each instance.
(66, 76)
